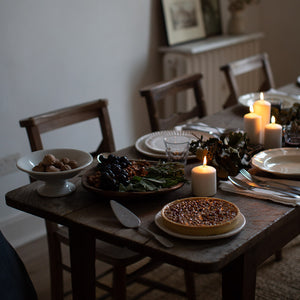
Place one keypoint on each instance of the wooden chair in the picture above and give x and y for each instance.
(233, 69)
(157, 93)
(118, 257)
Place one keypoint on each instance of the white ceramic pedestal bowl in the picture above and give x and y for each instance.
(56, 184)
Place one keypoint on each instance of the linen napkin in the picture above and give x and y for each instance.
(274, 91)
(261, 193)
(200, 127)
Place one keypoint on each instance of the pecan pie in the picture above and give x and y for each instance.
(200, 216)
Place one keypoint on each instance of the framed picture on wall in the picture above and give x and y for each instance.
(183, 20)
(212, 17)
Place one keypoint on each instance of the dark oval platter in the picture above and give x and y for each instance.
(122, 195)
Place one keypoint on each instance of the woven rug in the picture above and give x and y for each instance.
(276, 280)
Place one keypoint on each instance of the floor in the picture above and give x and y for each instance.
(275, 279)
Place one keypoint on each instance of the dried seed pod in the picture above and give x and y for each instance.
(49, 159)
(52, 169)
(39, 168)
(65, 168)
(73, 164)
(65, 160)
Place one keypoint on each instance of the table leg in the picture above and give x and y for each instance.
(82, 253)
(239, 279)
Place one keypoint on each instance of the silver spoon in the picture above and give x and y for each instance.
(128, 219)
(246, 186)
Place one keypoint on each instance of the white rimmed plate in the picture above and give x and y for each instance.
(280, 161)
(287, 101)
(240, 225)
(142, 148)
(155, 141)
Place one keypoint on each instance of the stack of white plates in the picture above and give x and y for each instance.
(152, 144)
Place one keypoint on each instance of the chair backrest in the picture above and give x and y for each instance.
(233, 69)
(52, 120)
(158, 92)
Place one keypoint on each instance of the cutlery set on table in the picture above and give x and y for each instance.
(280, 181)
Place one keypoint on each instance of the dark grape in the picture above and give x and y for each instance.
(113, 171)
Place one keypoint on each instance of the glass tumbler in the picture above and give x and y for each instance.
(177, 148)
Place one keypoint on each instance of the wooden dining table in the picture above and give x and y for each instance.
(88, 216)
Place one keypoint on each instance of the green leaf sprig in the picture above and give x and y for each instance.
(160, 175)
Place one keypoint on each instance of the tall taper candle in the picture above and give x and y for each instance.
(252, 126)
(273, 135)
(263, 109)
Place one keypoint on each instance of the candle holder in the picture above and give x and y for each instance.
(291, 135)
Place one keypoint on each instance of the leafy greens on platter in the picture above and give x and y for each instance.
(116, 173)
(159, 176)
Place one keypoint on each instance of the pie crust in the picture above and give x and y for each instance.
(200, 216)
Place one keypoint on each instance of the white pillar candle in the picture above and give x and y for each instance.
(263, 109)
(273, 135)
(204, 180)
(252, 126)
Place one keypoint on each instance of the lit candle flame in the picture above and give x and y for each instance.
(204, 161)
(251, 108)
(261, 96)
(273, 120)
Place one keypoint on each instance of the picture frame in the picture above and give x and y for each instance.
(212, 17)
(183, 20)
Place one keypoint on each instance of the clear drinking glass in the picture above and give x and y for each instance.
(177, 148)
(292, 136)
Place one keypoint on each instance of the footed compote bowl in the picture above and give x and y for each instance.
(54, 167)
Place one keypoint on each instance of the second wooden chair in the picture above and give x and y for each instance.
(157, 93)
(236, 68)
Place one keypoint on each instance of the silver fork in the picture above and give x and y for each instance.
(250, 186)
(258, 181)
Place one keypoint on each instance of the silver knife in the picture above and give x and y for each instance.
(128, 219)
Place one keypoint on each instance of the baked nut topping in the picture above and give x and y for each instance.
(200, 216)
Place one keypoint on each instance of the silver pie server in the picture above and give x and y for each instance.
(128, 219)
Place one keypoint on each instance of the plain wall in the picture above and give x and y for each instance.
(59, 53)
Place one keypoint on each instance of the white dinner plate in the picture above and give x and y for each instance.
(142, 148)
(155, 141)
(280, 161)
(240, 225)
(287, 101)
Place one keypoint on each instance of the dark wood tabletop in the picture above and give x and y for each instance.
(269, 226)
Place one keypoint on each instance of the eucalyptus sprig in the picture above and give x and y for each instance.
(228, 154)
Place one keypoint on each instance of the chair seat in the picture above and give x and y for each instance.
(109, 253)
